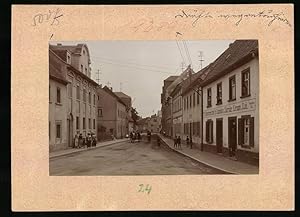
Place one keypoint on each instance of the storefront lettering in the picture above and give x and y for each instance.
(237, 107)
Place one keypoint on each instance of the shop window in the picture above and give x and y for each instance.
(246, 82)
(219, 93)
(209, 131)
(232, 88)
(209, 97)
(246, 131)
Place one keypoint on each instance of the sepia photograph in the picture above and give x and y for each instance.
(176, 107)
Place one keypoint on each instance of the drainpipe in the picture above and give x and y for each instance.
(201, 92)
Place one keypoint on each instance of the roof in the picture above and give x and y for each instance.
(172, 78)
(60, 49)
(54, 68)
(238, 53)
(82, 75)
(122, 95)
(108, 90)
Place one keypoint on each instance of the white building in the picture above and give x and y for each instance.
(230, 102)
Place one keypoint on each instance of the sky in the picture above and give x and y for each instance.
(138, 68)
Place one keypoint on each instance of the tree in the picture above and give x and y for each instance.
(134, 115)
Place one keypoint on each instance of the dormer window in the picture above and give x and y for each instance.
(68, 59)
(83, 52)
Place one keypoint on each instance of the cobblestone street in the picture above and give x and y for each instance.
(127, 158)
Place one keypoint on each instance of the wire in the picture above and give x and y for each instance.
(128, 66)
(188, 53)
(180, 52)
(128, 63)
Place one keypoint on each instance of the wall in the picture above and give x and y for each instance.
(252, 110)
(57, 113)
(121, 120)
(109, 111)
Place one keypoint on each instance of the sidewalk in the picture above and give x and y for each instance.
(75, 150)
(213, 160)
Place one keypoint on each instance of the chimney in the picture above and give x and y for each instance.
(111, 89)
(59, 44)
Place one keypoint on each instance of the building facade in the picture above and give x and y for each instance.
(111, 114)
(177, 110)
(81, 96)
(57, 103)
(230, 103)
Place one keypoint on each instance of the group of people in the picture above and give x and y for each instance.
(81, 142)
(135, 136)
(177, 142)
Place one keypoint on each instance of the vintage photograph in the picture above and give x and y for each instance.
(177, 107)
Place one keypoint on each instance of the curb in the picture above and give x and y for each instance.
(82, 150)
(195, 159)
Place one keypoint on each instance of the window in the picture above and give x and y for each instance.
(94, 124)
(70, 88)
(78, 92)
(209, 131)
(98, 98)
(81, 68)
(100, 112)
(58, 95)
(86, 71)
(77, 123)
(190, 101)
(246, 82)
(209, 97)
(83, 52)
(246, 131)
(194, 101)
(94, 99)
(58, 130)
(198, 99)
(83, 123)
(219, 93)
(232, 88)
(84, 95)
(89, 123)
(90, 99)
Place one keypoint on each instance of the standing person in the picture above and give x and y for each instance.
(76, 141)
(139, 136)
(175, 142)
(80, 141)
(179, 142)
(187, 141)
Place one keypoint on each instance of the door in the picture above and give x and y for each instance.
(219, 135)
(232, 134)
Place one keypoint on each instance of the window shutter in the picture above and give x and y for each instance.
(206, 128)
(252, 131)
(241, 131)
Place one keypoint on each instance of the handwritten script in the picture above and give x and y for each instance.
(52, 17)
(269, 15)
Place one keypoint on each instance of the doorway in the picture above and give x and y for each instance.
(70, 132)
(232, 134)
(219, 134)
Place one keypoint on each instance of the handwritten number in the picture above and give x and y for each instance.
(147, 189)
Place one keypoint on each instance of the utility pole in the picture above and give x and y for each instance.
(201, 58)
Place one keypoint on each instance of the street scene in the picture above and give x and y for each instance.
(153, 107)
